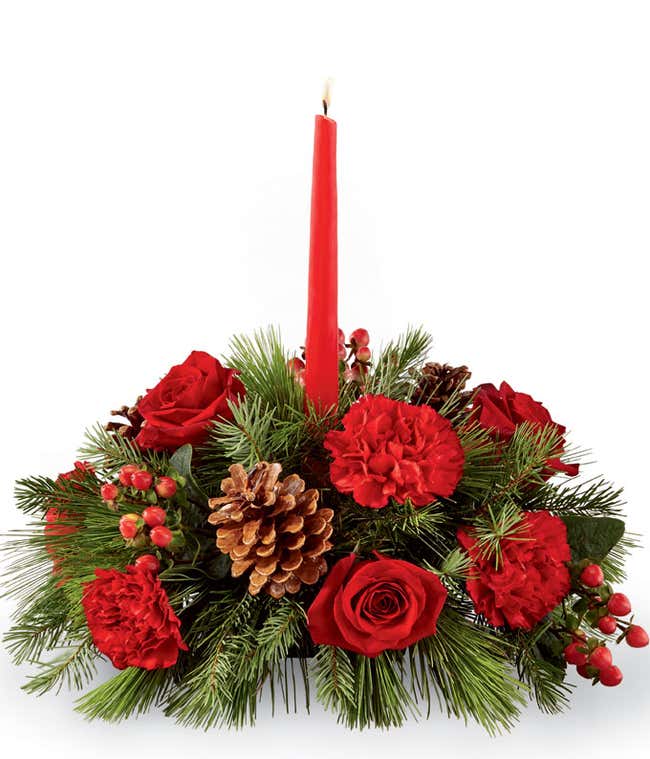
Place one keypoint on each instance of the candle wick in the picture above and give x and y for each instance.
(324, 107)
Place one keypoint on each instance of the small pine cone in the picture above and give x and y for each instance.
(272, 529)
(439, 382)
(133, 424)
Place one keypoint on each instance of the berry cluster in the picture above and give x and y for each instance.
(354, 358)
(138, 487)
(602, 610)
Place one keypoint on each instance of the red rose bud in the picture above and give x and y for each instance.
(154, 515)
(636, 636)
(182, 406)
(611, 677)
(166, 487)
(141, 479)
(501, 411)
(592, 576)
(130, 525)
(147, 563)
(600, 658)
(369, 606)
(607, 625)
(109, 491)
(573, 654)
(360, 338)
(161, 536)
(619, 605)
(125, 474)
(364, 355)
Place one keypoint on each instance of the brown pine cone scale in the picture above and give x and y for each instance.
(271, 529)
(439, 383)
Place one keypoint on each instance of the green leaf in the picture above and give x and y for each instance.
(592, 537)
(181, 461)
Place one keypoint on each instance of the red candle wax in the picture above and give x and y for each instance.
(321, 349)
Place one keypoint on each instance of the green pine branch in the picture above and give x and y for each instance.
(467, 667)
(394, 368)
(131, 692)
(262, 362)
(72, 669)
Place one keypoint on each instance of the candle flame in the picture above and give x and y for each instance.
(327, 95)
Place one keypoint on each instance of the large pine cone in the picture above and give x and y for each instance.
(440, 382)
(272, 529)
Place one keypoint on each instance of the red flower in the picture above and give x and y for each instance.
(389, 449)
(130, 619)
(502, 410)
(58, 520)
(374, 605)
(531, 579)
(182, 405)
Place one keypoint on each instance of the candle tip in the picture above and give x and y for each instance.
(327, 95)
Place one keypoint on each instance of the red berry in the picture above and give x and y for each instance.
(364, 355)
(619, 605)
(109, 491)
(343, 352)
(125, 474)
(341, 337)
(130, 526)
(166, 487)
(360, 338)
(592, 576)
(147, 562)
(611, 677)
(600, 658)
(607, 625)
(154, 515)
(141, 480)
(161, 536)
(584, 670)
(574, 656)
(636, 636)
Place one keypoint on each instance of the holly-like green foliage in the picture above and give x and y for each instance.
(242, 646)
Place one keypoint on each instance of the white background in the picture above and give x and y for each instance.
(494, 185)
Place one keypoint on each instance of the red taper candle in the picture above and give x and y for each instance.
(321, 349)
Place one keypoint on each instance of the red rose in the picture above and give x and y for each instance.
(130, 619)
(58, 520)
(182, 405)
(502, 410)
(374, 605)
(531, 578)
(389, 449)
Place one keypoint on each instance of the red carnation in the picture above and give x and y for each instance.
(374, 605)
(502, 410)
(58, 520)
(182, 405)
(130, 619)
(531, 578)
(389, 449)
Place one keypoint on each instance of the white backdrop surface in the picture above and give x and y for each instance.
(154, 192)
